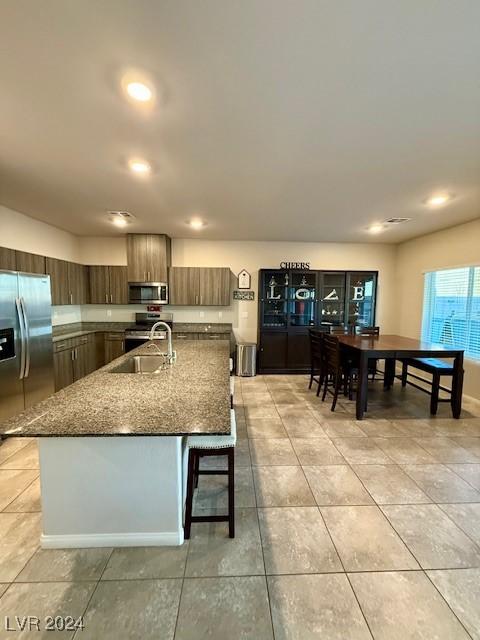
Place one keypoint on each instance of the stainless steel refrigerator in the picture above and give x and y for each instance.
(26, 352)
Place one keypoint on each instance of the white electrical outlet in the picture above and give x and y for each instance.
(202, 314)
(109, 313)
(244, 315)
(220, 314)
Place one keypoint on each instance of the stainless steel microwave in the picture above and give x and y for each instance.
(148, 293)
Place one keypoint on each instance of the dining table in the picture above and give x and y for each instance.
(391, 348)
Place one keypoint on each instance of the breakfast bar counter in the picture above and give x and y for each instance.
(111, 447)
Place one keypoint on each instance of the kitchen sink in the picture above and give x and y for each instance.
(142, 364)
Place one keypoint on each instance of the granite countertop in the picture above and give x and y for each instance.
(74, 330)
(190, 397)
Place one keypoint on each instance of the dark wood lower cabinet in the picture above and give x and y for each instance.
(298, 352)
(114, 346)
(273, 352)
(282, 352)
(74, 359)
(63, 368)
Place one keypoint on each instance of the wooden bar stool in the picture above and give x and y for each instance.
(199, 447)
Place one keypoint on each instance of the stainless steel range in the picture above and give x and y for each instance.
(139, 333)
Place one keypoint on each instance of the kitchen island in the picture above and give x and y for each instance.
(111, 447)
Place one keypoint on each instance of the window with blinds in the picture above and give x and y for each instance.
(451, 309)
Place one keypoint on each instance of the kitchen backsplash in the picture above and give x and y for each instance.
(119, 313)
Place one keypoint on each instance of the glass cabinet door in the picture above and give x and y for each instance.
(302, 299)
(274, 299)
(332, 298)
(361, 298)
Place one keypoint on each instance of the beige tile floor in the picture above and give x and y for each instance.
(345, 530)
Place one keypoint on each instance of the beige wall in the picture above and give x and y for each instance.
(18, 231)
(251, 256)
(455, 247)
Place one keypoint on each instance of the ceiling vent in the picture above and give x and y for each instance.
(397, 220)
(125, 215)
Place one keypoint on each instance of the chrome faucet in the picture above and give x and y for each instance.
(171, 355)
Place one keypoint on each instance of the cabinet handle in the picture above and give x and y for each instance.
(123, 345)
(71, 297)
(201, 299)
(196, 299)
(106, 297)
(144, 276)
(180, 336)
(111, 297)
(72, 354)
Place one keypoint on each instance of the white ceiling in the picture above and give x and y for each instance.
(275, 119)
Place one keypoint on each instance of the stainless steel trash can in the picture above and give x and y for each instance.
(246, 359)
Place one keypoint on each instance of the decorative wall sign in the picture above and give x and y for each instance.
(244, 279)
(243, 295)
(304, 294)
(294, 265)
(333, 295)
(358, 292)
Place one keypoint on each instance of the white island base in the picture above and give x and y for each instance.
(112, 491)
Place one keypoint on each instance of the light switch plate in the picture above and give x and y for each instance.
(220, 314)
(202, 314)
(109, 313)
(244, 315)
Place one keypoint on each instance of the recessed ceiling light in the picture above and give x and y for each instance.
(140, 167)
(438, 199)
(196, 223)
(376, 228)
(139, 91)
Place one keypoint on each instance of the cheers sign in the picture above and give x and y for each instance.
(294, 265)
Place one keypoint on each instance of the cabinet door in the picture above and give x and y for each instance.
(118, 285)
(215, 286)
(30, 262)
(184, 284)
(99, 277)
(137, 258)
(158, 257)
(331, 305)
(78, 283)
(63, 368)
(58, 272)
(114, 346)
(298, 352)
(360, 298)
(273, 351)
(7, 259)
(99, 350)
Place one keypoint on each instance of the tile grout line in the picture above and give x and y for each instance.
(94, 590)
(20, 494)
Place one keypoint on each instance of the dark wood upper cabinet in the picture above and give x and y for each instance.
(7, 259)
(78, 283)
(30, 262)
(205, 286)
(108, 285)
(99, 284)
(68, 281)
(148, 257)
(118, 285)
(184, 286)
(214, 286)
(58, 272)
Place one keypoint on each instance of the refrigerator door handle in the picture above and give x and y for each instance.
(27, 337)
(18, 304)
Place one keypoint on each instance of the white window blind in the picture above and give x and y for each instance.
(451, 309)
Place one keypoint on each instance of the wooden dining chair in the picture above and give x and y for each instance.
(336, 374)
(317, 364)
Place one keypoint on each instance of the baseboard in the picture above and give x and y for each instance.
(86, 540)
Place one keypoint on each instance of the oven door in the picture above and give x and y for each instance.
(133, 342)
(147, 293)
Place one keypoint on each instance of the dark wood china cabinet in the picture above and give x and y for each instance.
(292, 301)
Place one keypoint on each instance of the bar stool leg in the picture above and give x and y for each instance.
(231, 494)
(196, 469)
(404, 373)
(435, 394)
(189, 501)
